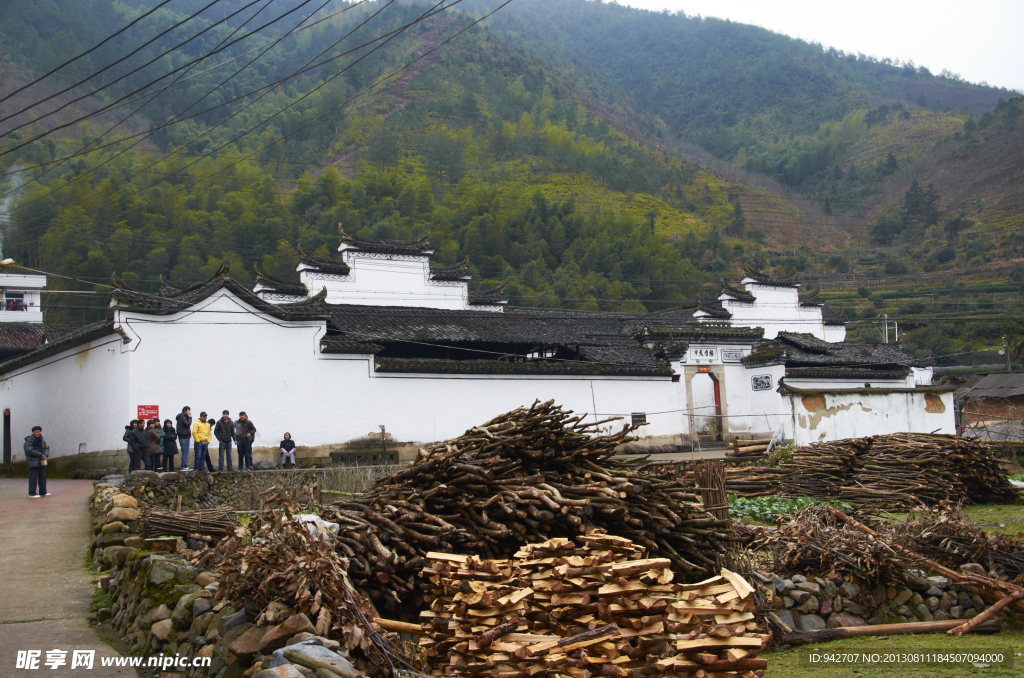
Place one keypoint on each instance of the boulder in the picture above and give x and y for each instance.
(810, 587)
(332, 645)
(916, 582)
(799, 596)
(955, 612)
(311, 649)
(808, 606)
(276, 612)
(182, 614)
(940, 582)
(161, 630)
(826, 608)
(947, 600)
(788, 584)
(903, 596)
(786, 617)
(853, 608)
(780, 586)
(933, 592)
(282, 671)
(204, 579)
(112, 539)
(940, 615)
(164, 570)
(113, 526)
(924, 613)
(161, 613)
(125, 515)
(115, 556)
(277, 636)
(265, 465)
(932, 603)
(125, 501)
(849, 590)
(810, 622)
(799, 578)
(248, 644)
(230, 621)
(135, 542)
(843, 619)
(201, 606)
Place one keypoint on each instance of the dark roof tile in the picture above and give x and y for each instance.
(420, 246)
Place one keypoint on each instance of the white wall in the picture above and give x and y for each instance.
(832, 416)
(387, 280)
(77, 396)
(757, 411)
(778, 309)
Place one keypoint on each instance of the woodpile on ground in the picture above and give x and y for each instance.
(748, 450)
(893, 472)
(217, 523)
(595, 606)
(281, 568)
(526, 476)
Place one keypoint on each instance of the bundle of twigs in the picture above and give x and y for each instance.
(753, 481)
(278, 565)
(525, 476)
(821, 469)
(947, 536)
(216, 523)
(815, 541)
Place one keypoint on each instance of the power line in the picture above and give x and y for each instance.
(86, 52)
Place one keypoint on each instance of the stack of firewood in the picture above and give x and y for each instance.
(748, 450)
(526, 476)
(594, 607)
(820, 470)
(752, 481)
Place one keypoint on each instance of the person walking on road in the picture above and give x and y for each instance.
(245, 433)
(169, 442)
(183, 426)
(223, 432)
(36, 453)
(287, 450)
(201, 435)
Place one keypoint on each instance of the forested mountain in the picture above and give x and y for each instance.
(585, 154)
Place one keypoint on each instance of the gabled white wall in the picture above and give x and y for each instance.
(777, 309)
(387, 280)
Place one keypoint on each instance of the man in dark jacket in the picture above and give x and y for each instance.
(245, 433)
(36, 453)
(140, 444)
(183, 427)
(223, 431)
(129, 437)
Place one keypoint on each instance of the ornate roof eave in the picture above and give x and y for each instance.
(321, 264)
(459, 271)
(730, 292)
(268, 283)
(351, 242)
(495, 295)
(757, 277)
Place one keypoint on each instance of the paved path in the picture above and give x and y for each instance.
(45, 590)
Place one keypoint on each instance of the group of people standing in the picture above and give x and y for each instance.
(150, 445)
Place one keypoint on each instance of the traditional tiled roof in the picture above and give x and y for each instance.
(172, 288)
(812, 300)
(737, 294)
(846, 373)
(492, 296)
(420, 246)
(994, 385)
(805, 350)
(459, 271)
(323, 264)
(17, 338)
(539, 367)
(273, 285)
(764, 279)
(313, 307)
(336, 344)
(702, 332)
(69, 340)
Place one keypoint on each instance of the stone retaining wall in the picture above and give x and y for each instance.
(240, 491)
(808, 604)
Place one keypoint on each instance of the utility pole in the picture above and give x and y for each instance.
(886, 316)
(1006, 350)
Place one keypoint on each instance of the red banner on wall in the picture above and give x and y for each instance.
(149, 411)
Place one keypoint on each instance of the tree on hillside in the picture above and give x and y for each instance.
(920, 207)
(383, 148)
(445, 156)
(737, 225)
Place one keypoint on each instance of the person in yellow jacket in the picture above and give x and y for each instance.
(201, 434)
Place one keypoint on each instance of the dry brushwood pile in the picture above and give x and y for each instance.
(593, 607)
(279, 567)
(945, 535)
(525, 476)
(216, 523)
(816, 541)
(893, 472)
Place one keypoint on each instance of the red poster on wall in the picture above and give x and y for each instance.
(149, 411)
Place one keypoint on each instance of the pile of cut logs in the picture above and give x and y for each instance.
(748, 450)
(526, 476)
(894, 472)
(593, 607)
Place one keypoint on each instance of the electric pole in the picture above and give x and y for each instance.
(1006, 350)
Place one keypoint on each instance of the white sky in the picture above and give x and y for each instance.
(980, 40)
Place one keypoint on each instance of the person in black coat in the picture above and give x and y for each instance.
(222, 431)
(36, 454)
(287, 450)
(169, 443)
(140, 444)
(245, 433)
(183, 428)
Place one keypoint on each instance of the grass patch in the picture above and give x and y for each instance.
(999, 518)
(789, 662)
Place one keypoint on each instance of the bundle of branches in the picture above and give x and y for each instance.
(753, 481)
(525, 476)
(821, 469)
(817, 542)
(945, 535)
(279, 566)
(217, 523)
